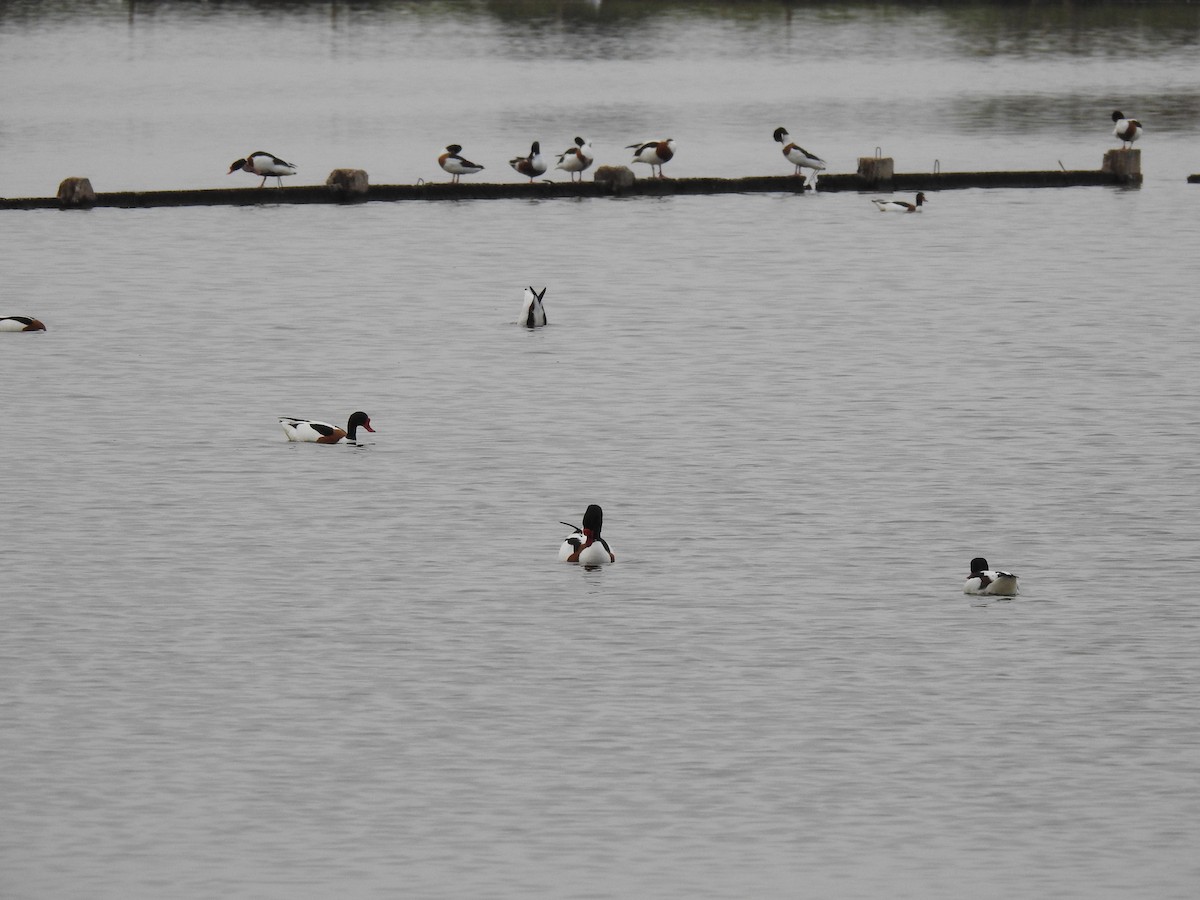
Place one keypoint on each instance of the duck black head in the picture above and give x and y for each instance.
(978, 564)
(593, 519)
(454, 148)
(781, 135)
(1117, 115)
(358, 420)
(236, 166)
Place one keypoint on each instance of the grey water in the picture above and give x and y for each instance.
(238, 667)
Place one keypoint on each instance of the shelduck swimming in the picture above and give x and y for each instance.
(1126, 130)
(655, 154)
(533, 314)
(576, 159)
(983, 580)
(456, 165)
(585, 546)
(20, 323)
(262, 163)
(900, 205)
(532, 165)
(323, 432)
(800, 158)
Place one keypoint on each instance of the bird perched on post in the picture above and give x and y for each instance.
(799, 157)
(262, 163)
(577, 158)
(532, 165)
(654, 154)
(1126, 130)
(456, 165)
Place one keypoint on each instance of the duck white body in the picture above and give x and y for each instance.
(456, 165)
(533, 314)
(316, 432)
(800, 158)
(577, 159)
(262, 163)
(532, 165)
(20, 323)
(900, 205)
(585, 546)
(983, 580)
(655, 154)
(1125, 130)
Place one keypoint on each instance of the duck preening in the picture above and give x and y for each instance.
(800, 158)
(576, 159)
(456, 165)
(322, 432)
(983, 580)
(262, 163)
(532, 165)
(533, 314)
(20, 323)
(1125, 130)
(900, 205)
(655, 154)
(585, 546)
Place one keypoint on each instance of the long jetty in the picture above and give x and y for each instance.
(875, 173)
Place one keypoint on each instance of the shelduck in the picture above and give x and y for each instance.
(1125, 130)
(322, 432)
(577, 159)
(20, 323)
(455, 164)
(532, 165)
(655, 154)
(900, 205)
(800, 158)
(533, 314)
(262, 163)
(983, 580)
(585, 546)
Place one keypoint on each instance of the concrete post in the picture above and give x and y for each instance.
(349, 184)
(76, 192)
(1125, 164)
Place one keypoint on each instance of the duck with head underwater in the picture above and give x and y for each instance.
(585, 546)
(533, 314)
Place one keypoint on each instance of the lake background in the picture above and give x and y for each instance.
(238, 667)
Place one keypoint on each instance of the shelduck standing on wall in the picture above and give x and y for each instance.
(456, 165)
(20, 323)
(1125, 130)
(983, 580)
(533, 314)
(262, 163)
(322, 432)
(577, 159)
(655, 154)
(532, 165)
(900, 205)
(799, 157)
(585, 546)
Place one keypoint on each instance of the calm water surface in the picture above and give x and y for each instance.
(238, 667)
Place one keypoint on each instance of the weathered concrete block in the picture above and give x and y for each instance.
(76, 192)
(349, 183)
(876, 170)
(616, 177)
(1125, 164)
